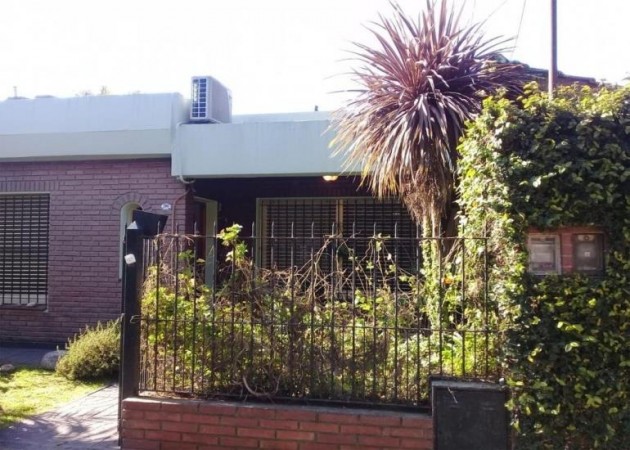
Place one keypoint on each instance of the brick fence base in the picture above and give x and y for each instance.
(165, 424)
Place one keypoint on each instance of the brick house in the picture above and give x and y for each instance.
(73, 170)
(68, 169)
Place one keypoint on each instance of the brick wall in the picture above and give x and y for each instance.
(85, 202)
(165, 424)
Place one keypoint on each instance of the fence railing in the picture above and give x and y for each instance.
(357, 320)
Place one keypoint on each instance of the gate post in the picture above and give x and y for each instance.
(129, 372)
(144, 225)
(470, 415)
(130, 325)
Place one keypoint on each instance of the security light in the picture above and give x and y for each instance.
(130, 259)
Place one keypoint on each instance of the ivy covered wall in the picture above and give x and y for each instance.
(535, 164)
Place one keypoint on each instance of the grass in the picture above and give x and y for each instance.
(27, 392)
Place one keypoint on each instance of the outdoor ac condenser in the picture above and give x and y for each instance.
(210, 101)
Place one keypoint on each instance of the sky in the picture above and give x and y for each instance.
(274, 55)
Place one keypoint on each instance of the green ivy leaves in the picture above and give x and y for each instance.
(532, 163)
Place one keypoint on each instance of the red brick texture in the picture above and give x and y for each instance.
(83, 272)
(197, 425)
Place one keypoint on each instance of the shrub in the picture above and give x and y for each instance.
(357, 328)
(92, 354)
(535, 164)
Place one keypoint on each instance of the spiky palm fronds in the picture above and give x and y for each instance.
(419, 85)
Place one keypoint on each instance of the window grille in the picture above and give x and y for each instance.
(293, 228)
(386, 219)
(24, 224)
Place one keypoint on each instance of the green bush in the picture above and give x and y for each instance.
(360, 330)
(536, 164)
(92, 354)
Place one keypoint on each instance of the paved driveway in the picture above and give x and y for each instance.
(88, 423)
(84, 424)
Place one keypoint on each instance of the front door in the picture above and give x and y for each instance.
(206, 217)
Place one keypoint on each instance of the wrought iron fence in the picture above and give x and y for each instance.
(356, 319)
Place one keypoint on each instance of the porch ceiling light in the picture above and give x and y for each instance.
(330, 177)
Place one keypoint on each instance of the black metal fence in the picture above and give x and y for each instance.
(356, 319)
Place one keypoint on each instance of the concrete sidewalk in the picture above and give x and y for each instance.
(88, 423)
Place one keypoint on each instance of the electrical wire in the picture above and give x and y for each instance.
(497, 8)
(518, 31)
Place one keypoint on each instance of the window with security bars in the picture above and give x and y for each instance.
(24, 224)
(295, 229)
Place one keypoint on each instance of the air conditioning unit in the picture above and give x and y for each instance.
(210, 101)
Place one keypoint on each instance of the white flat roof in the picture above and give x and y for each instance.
(282, 117)
(138, 125)
(156, 125)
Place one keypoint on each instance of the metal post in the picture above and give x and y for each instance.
(130, 324)
(553, 70)
(144, 225)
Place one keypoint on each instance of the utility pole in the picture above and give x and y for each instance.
(553, 70)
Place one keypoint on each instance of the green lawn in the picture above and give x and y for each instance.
(27, 392)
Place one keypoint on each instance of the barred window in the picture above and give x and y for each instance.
(24, 224)
(292, 229)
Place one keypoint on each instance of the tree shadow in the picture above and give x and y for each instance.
(59, 432)
(87, 423)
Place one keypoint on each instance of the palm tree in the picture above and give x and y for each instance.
(418, 87)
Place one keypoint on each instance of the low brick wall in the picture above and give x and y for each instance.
(165, 424)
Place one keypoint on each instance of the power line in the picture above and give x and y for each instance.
(553, 69)
(518, 32)
(497, 8)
